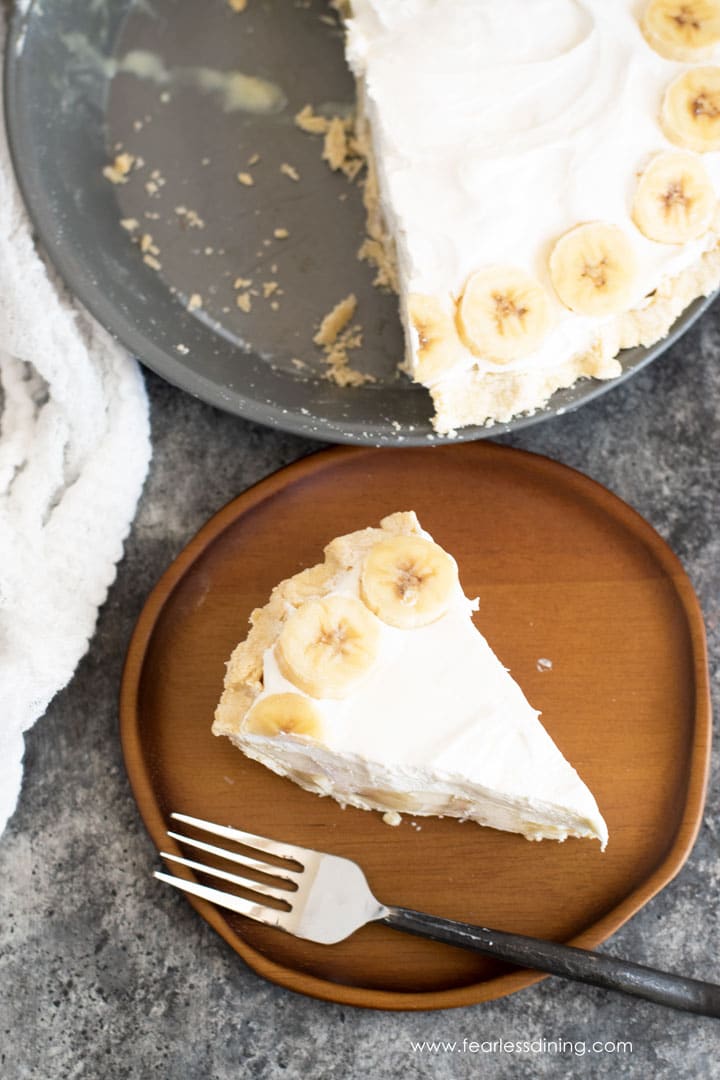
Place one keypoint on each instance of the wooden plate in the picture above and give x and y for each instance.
(564, 571)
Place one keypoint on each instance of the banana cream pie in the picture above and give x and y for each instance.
(543, 176)
(364, 678)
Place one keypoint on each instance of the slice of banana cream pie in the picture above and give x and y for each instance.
(364, 678)
(543, 178)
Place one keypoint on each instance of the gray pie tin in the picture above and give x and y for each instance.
(66, 114)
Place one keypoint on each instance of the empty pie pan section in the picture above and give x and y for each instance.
(565, 572)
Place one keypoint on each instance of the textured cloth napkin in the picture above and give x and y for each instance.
(74, 452)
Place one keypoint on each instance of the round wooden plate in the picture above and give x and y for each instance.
(565, 571)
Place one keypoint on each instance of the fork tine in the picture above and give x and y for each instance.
(245, 883)
(258, 912)
(261, 843)
(236, 857)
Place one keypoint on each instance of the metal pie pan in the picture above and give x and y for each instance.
(83, 80)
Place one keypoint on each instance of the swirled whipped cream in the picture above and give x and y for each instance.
(496, 128)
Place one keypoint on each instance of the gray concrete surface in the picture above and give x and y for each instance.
(103, 975)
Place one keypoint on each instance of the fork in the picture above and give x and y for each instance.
(328, 899)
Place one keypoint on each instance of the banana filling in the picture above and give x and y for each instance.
(364, 678)
(544, 176)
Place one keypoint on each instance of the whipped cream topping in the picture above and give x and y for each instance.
(439, 716)
(499, 126)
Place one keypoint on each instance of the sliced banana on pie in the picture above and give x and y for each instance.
(438, 348)
(690, 113)
(365, 678)
(284, 714)
(675, 199)
(327, 645)
(594, 269)
(503, 313)
(682, 29)
(408, 581)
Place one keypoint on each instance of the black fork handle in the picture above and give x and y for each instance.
(566, 961)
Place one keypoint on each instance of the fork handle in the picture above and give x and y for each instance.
(566, 961)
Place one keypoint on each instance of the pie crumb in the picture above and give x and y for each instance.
(377, 254)
(335, 321)
(289, 170)
(189, 217)
(246, 179)
(337, 338)
(280, 234)
(391, 817)
(195, 302)
(237, 5)
(335, 149)
(342, 149)
(117, 171)
(244, 301)
(340, 371)
(311, 122)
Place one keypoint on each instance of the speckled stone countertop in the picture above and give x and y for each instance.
(104, 975)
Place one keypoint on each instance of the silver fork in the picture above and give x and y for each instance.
(328, 899)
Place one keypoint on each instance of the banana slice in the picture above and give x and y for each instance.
(682, 29)
(438, 346)
(503, 314)
(327, 646)
(675, 199)
(408, 581)
(593, 269)
(284, 714)
(690, 113)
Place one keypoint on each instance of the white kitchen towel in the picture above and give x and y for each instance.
(74, 452)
